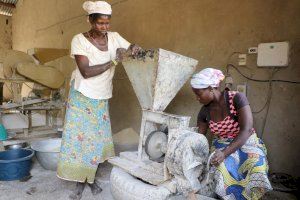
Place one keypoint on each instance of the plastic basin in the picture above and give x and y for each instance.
(15, 164)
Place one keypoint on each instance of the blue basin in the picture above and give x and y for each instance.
(15, 164)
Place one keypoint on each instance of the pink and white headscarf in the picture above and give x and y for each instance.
(207, 77)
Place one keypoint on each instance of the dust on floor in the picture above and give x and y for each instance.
(44, 185)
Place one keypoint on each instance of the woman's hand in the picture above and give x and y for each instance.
(218, 157)
(135, 49)
(192, 195)
(120, 53)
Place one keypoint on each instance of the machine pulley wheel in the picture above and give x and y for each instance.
(156, 145)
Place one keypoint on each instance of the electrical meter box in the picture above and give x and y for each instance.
(273, 54)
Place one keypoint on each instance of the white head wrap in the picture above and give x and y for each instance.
(101, 7)
(207, 77)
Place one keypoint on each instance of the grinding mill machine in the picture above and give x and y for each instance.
(156, 78)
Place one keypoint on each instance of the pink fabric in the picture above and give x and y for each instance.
(227, 128)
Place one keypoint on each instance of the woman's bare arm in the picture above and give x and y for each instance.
(91, 71)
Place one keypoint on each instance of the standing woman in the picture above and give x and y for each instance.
(87, 139)
(240, 156)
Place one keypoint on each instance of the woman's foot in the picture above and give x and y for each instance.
(95, 188)
(192, 196)
(77, 194)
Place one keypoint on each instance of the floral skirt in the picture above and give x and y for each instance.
(86, 140)
(243, 174)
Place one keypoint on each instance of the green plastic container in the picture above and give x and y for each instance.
(3, 133)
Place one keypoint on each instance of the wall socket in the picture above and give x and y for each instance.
(252, 50)
(242, 88)
(242, 59)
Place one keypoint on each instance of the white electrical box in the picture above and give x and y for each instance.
(273, 54)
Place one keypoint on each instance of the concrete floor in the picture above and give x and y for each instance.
(44, 185)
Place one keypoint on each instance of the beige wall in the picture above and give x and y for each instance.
(208, 30)
(5, 36)
(5, 32)
(5, 43)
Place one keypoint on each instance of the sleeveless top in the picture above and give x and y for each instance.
(229, 126)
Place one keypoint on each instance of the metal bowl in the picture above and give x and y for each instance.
(47, 152)
(22, 145)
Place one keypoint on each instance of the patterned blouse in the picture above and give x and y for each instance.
(229, 126)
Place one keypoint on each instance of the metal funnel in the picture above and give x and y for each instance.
(158, 76)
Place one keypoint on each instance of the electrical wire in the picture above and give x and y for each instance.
(258, 80)
(270, 91)
(268, 103)
(233, 53)
(268, 100)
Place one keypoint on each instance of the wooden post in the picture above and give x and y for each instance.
(26, 131)
(1, 92)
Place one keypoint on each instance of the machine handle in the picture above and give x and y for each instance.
(208, 164)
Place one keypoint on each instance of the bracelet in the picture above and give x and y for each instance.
(115, 62)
